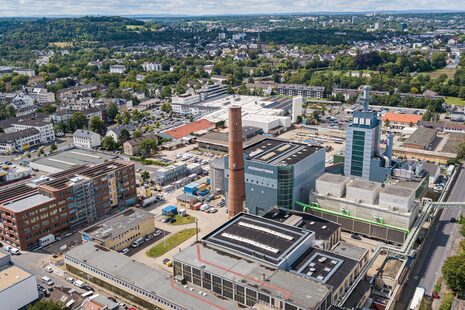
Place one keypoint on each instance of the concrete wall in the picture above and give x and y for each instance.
(305, 174)
(392, 201)
(357, 194)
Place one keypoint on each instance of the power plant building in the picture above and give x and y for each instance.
(279, 172)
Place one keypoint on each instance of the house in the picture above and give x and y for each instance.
(118, 69)
(151, 66)
(132, 147)
(86, 139)
(116, 131)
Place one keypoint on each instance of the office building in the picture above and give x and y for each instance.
(279, 268)
(86, 139)
(121, 230)
(39, 122)
(297, 109)
(362, 157)
(279, 172)
(18, 288)
(63, 201)
(171, 173)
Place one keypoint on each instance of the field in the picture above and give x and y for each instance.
(183, 220)
(61, 44)
(436, 73)
(455, 101)
(171, 242)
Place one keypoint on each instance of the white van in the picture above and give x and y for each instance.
(48, 281)
(204, 207)
(79, 283)
(14, 251)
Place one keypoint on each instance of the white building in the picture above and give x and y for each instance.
(86, 139)
(45, 128)
(20, 140)
(266, 122)
(118, 69)
(42, 96)
(296, 108)
(18, 288)
(28, 72)
(187, 98)
(151, 66)
(221, 36)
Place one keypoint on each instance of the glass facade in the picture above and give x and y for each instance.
(358, 147)
(285, 187)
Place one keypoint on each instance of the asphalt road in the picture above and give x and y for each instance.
(441, 240)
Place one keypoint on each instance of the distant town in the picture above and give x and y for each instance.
(233, 162)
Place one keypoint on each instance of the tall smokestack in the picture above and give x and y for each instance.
(236, 185)
(389, 146)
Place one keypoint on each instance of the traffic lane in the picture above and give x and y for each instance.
(458, 191)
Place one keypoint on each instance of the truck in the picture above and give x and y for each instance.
(48, 239)
(417, 298)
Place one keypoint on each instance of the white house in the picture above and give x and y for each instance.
(86, 139)
(118, 69)
(151, 66)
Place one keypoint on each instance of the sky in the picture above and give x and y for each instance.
(212, 7)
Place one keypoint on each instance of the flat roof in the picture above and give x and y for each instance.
(349, 250)
(323, 266)
(257, 237)
(303, 292)
(334, 178)
(147, 278)
(398, 191)
(322, 228)
(27, 202)
(12, 275)
(364, 184)
(118, 224)
(74, 157)
(279, 152)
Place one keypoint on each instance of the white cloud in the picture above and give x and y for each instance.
(204, 7)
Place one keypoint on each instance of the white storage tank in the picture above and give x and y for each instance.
(363, 191)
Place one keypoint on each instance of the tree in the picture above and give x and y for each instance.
(166, 107)
(98, 125)
(77, 121)
(112, 111)
(53, 147)
(453, 271)
(148, 146)
(136, 134)
(461, 151)
(145, 175)
(108, 143)
(46, 305)
(124, 136)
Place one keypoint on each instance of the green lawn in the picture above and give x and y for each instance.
(183, 220)
(455, 101)
(171, 242)
(436, 73)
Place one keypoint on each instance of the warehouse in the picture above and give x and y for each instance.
(279, 172)
(422, 139)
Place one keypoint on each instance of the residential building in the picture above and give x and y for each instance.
(18, 288)
(151, 66)
(116, 131)
(118, 69)
(39, 122)
(42, 96)
(28, 72)
(212, 91)
(397, 121)
(301, 90)
(133, 147)
(279, 172)
(121, 230)
(19, 141)
(86, 139)
(63, 201)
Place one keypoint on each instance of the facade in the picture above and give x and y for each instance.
(28, 72)
(212, 91)
(151, 66)
(267, 123)
(118, 69)
(421, 139)
(279, 172)
(64, 200)
(132, 147)
(171, 173)
(362, 156)
(121, 230)
(19, 141)
(86, 139)
(42, 96)
(187, 99)
(18, 288)
(301, 90)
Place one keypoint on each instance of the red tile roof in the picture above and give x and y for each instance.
(402, 118)
(187, 129)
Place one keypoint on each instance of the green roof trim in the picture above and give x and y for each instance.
(316, 206)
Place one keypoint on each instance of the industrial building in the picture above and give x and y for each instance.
(383, 211)
(218, 141)
(281, 267)
(421, 139)
(171, 173)
(279, 172)
(120, 230)
(18, 288)
(362, 156)
(63, 201)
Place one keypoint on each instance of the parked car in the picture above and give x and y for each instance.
(112, 299)
(148, 237)
(88, 288)
(48, 269)
(43, 291)
(356, 237)
(138, 242)
(157, 233)
(14, 251)
(70, 280)
(212, 210)
(172, 220)
(167, 262)
(124, 251)
(48, 281)
(79, 283)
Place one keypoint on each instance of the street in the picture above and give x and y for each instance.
(438, 246)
